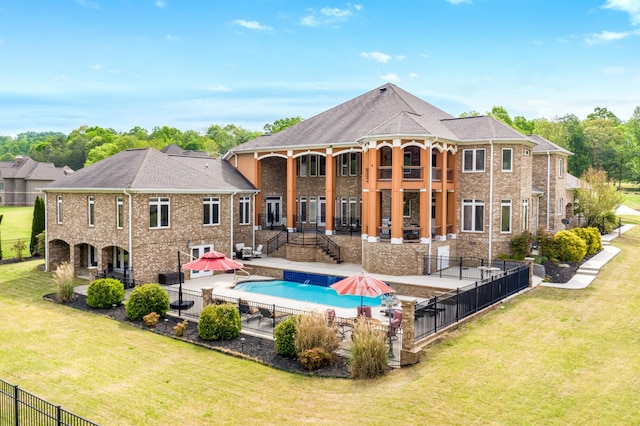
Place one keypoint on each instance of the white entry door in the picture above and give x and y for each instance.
(443, 257)
(196, 252)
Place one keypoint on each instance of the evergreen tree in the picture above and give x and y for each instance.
(37, 225)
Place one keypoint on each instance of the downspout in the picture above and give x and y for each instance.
(46, 233)
(491, 201)
(231, 223)
(253, 224)
(548, 187)
(130, 230)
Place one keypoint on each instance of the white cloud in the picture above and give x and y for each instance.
(632, 7)
(457, 2)
(376, 56)
(161, 4)
(392, 77)
(252, 25)
(413, 75)
(607, 36)
(329, 16)
(218, 88)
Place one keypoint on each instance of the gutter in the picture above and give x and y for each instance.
(491, 201)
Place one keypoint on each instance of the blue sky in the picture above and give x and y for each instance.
(193, 63)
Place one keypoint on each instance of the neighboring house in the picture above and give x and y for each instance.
(409, 178)
(135, 212)
(21, 179)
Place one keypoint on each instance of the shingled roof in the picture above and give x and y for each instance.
(385, 111)
(147, 170)
(545, 145)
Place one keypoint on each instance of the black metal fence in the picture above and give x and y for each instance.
(18, 407)
(441, 311)
(465, 268)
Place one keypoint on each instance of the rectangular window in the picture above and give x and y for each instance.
(525, 214)
(407, 163)
(313, 208)
(560, 167)
(245, 210)
(322, 168)
(507, 156)
(473, 215)
(560, 206)
(211, 211)
(303, 166)
(158, 212)
(353, 164)
(343, 211)
(303, 209)
(313, 165)
(406, 209)
(353, 215)
(91, 211)
(473, 160)
(505, 218)
(119, 213)
(343, 164)
(59, 208)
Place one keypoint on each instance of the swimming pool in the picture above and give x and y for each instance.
(306, 293)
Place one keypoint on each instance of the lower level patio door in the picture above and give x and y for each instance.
(274, 211)
(196, 252)
(322, 211)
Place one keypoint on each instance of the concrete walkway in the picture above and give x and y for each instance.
(589, 270)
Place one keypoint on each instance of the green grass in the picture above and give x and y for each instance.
(632, 200)
(551, 356)
(16, 224)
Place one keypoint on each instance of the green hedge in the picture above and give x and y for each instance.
(145, 299)
(103, 293)
(219, 322)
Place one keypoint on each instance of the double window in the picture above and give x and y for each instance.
(473, 160)
(312, 165)
(159, 212)
(245, 210)
(348, 164)
(473, 215)
(211, 211)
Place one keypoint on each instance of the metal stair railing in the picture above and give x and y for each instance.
(329, 246)
(277, 241)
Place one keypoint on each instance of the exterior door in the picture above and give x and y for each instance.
(322, 211)
(443, 257)
(274, 211)
(120, 259)
(196, 252)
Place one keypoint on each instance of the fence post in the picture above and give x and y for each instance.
(460, 268)
(59, 415)
(274, 315)
(435, 316)
(458, 304)
(475, 309)
(16, 405)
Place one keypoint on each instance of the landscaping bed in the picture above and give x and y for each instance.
(255, 348)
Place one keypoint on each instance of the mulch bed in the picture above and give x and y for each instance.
(562, 272)
(246, 346)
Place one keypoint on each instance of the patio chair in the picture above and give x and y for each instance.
(364, 311)
(270, 314)
(247, 311)
(247, 252)
(396, 323)
(258, 251)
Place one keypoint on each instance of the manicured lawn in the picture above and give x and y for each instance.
(632, 199)
(551, 356)
(16, 224)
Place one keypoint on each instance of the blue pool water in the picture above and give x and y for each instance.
(306, 293)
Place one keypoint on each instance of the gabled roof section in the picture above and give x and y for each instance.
(173, 149)
(573, 182)
(545, 145)
(149, 169)
(387, 110)
(23, 167)
(481, 127)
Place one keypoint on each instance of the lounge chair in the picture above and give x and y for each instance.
(270, 314)
(258, 251)
(364, 311)
(247, 311)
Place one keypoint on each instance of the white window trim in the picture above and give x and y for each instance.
(560, 167)
(245, 211)
(473, 203)
(473, 161)
(210, 202)
(159, 202)
(510, 150)
(119, 212)
(560, 206)
(59, 209)
(503, 204)
(91, 210)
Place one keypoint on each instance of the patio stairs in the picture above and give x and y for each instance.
(324, 254)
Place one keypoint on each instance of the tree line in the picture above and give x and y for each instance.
(601, 141)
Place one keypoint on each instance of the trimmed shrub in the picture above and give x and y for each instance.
(180, 327)
(150, 320)
(219, 322)
(63, 277)
(147, 298)
(571, 248)
(591, 237)
(521, 245)
(547, 246)
(103, 293)
(369, 357)
(285, 334)
(314, 359)
(313, 331)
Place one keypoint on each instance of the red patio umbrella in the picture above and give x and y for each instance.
(213, 261)
(362, 285)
